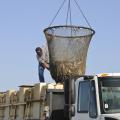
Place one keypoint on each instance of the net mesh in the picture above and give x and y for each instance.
(68, 46)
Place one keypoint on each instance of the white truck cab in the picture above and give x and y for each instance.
(97, 97)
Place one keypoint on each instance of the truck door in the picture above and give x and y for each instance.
(83, 101)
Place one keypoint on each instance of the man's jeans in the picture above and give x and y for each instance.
(41, 72)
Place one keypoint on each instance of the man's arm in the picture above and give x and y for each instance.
(46, 65)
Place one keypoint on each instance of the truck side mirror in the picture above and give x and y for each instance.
(92, 103)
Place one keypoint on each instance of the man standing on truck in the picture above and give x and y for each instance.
(43, 61)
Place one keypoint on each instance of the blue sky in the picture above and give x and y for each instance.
(21, 30)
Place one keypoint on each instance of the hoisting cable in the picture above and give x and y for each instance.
(82, 13)
(69, 16)
(69, 13)
(57, 12)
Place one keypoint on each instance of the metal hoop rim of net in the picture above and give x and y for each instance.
(71, 27)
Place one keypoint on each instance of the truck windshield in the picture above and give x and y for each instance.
(110, 94)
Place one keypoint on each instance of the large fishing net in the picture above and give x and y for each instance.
(68, 46)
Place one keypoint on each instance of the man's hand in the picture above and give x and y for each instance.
(46, 65)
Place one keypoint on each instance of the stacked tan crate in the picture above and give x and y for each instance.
(2, 102)
(29, 102)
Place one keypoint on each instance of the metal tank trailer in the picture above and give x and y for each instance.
(68, 46)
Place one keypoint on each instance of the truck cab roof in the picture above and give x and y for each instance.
(109, 75)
